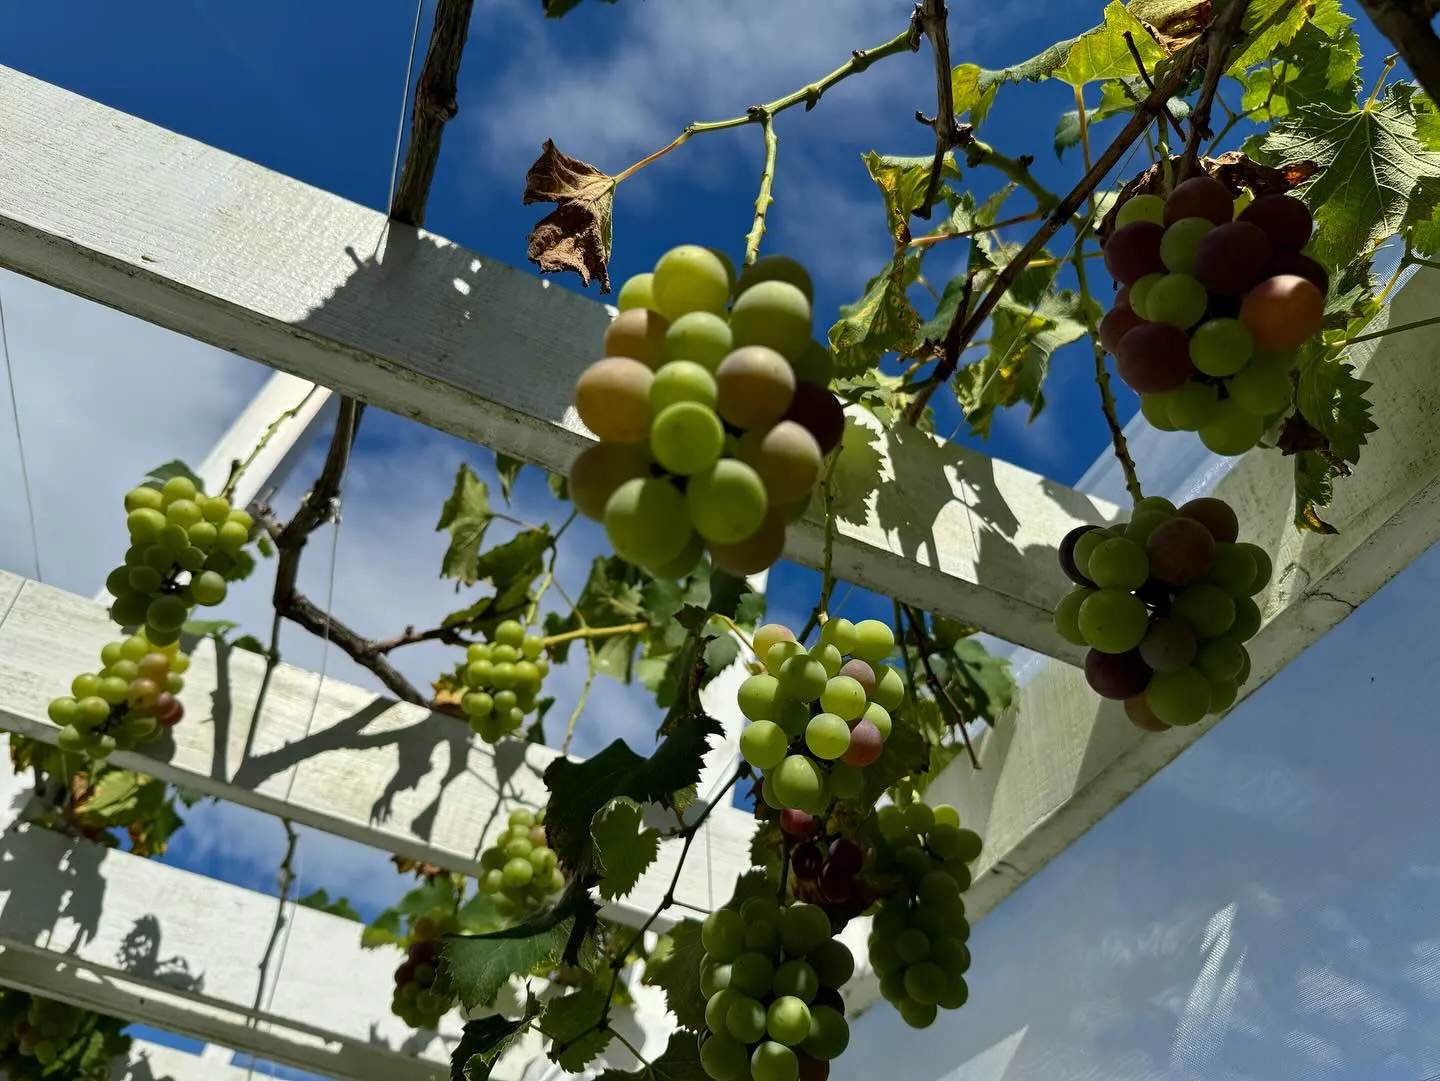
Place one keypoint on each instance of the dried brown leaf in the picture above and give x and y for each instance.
(576, 234)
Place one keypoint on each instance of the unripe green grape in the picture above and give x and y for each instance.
(713, 978)
(1232, 431)
(231, 536)
(752, 972)
(846, 782)
(764, 744)
(799, 783)
(1178, 300)
(726, 502)
(1085, 547)
(802, 678)
(723, 935)
(827, 736)
(829, 657)
(637, 292)
(774, 314)
(1141, 208)
(1179, 242)
(780, 652)
(776, 268)
(1261, 390)
(1118, 563)
(1067, 616)
(889, 688)
(183, 513)
(702, 338)
(839, 633)
(925, 983)
(1219, 660)
(774, 1062)
(143, 497)
(723, 1058)
(689, 278)
(874, 641)
(178, 488)
(758, 696)
(1113, 620)
(1193, 406)
(816, 364)
(769, 635)
(829, 1034)
(1156, 409)
(1263, 567)
(1206, 609)
(215, 509)
(788, 1021)
(879, 716)
(647, 522)
(209, 588)
(1179, 698)
(1221, 347)
(1140, 294)
(1232, 568)
(145, 524)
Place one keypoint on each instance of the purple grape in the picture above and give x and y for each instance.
(835, 885)
(846, 857)
(1067, 556)
(1117, 675)
(807, 863)
(797, 823)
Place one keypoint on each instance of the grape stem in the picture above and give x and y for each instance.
(284, 880)
(1409, 24)
(1416, 325)
(935, 238)
(1219, 38)
(592, 666)
(238, 467)
(1165, 113)
(593, 632)
(827, 559)
(957, 715)
(735, 629)
(767, 183)
(809, 95)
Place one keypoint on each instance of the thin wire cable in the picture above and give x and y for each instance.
(20, 443)
(405, 103)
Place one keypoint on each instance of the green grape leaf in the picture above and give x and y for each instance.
(674, 967)
(478, 966)
(250, 644)
(968, 95)
(887, 396)
(906, 752)
(572, 1022)
(579, 789)
(1314, 488)
(576, 235)
(1102, 53)
(614, 595)
(321, 902)
(486, 1040)
(624, 847)
(512, 568)
(479, 915)
(1267, 25)
(1022, 339)
(750, 610)
(507, 469)
(680, 1061)
(1332, 399)
(385, 930)
(1375, 175)
(988, 684)
(902, 182)
(882, 321)
(559, 485)
(208, 628)
(466, 516)
(1038, 68)
(1320, 66)
(157, 477)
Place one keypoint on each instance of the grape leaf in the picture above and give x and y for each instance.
(157, 477)
(750, 610)
(1036, 69)
(614, 595)
(1022, 339)
(1374, 172)
(902, 182)
(1330, 396)
(572, 1023)
(990, 688)
(321, 902)
(1320, 66)
(882, 321)
(1266, 26)
(680, 1061)
(674, 967)
(968, 95)
(477, 966)
(486, 1040)
(466, 515)
(1102, 53)
(384, 930)
(575, 235)
(579, 789)
(1314, 488)
(507, 469)
(624, 847)
(512, 569)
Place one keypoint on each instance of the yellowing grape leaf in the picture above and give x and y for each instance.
(1102, 53)
(576, 234)
(969, 96)
(1374, 173)
(882, 321)
(624, 846)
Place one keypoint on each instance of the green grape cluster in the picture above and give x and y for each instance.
(502, 679)
(771, 977)
(1217, 298)
(520, 870)
(422, 993)
(818, 716)
(1165, 604)
(42, 1030)
(129, 701)
(714, 414)
(185, 548)
(918, 937)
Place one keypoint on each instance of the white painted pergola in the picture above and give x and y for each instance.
(332, 295)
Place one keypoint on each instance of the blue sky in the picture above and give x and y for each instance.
(313, 90)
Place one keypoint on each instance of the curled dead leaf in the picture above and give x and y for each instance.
(1233, 169)
(1173, 23)
(575, 235)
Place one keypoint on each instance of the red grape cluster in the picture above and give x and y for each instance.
(826, 869)
(422, 994)
(818, 716)
(713, 411)
(1164, 601)
(771, 976)
(1213, 308)
(917, 940)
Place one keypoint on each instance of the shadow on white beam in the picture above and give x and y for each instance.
(150, 1061)
(384, 773)
(188, 237)
(1065, 758)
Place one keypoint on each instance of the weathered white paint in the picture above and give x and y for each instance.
(120, 211)
(1065, 758)
(381, 772)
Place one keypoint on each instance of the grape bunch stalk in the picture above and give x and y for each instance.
(185, 547)
(129, 701)
(918, 937)
(520, 870)
(714, 418)
(1165, 604)
(502, 679)
(422, 993)
(1217, 298)
(819, 716)
(771, 976)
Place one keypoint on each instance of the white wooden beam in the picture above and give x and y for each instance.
(188, 237)
(384, 773)
(1064, 759)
